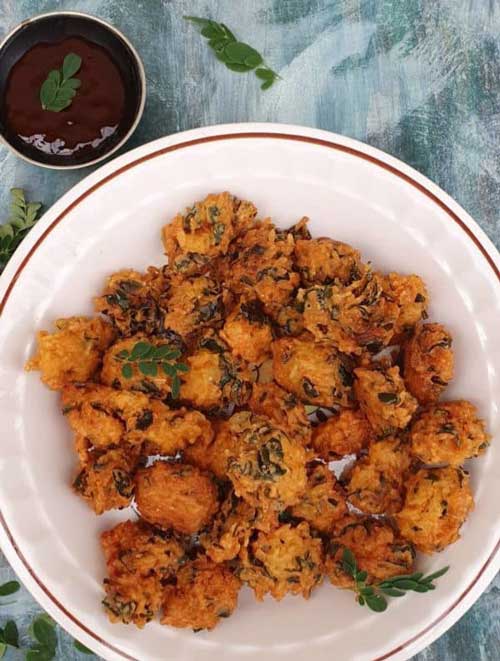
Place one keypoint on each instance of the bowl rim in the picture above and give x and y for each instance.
(140, 69)
(484, 574)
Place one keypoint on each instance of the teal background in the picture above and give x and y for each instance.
(419, 79)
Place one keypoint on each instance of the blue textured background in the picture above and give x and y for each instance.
(417, 78)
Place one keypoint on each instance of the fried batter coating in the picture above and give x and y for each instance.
(105, 477)
(73, 353)
(324, 500)
(289, 320)
(204, 592)
(352, 318)
(268, 467)
(376, 482)
(384, 399)
(282, 408)
(135, 302)
(213, 455)
(410, 294)
(205, 232)
(438, 500)
(428, 362)
(378, 550)
(324, 261)
(138, 560)
(286, 560)
(215, 377)
(112, 375)
(195, 303)
(248, 332)
(448, 433)
(316, 373)
(347, 432)
(259, 263)
(172, 495)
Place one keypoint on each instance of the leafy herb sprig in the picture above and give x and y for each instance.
(9, 637)
(43, 632)
(59, 88)
(150, 359)
(236, 55)
(23, 215)
(396, 586)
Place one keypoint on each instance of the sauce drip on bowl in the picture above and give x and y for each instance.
(94, 114)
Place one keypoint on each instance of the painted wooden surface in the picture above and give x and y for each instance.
(417, 78)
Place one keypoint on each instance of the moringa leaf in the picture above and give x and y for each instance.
(59, 88)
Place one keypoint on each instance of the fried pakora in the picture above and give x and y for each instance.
(248, 332)
(282, 408)
(325, 261)
(346, 432)
(410, 295)
(438, 500)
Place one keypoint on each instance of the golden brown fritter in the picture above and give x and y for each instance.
(172, 495)
(428, 362)
(410, 294)
(268, 467)
(324, 261)
(138, 560)
(378, 550)
(213, 454)
(215, 377)
(315, 373)
(195, 303)
(384, 399)
(203, 593)
(259, 263)
(376, 482)
(289, 320)
(105, 477)
(135, 302)
(205, 232)
(324, 500)
(287, 560)
(282, 408)
(73, 353)
(347, 432)
(438, 500)
(448, 433)
(248, 332)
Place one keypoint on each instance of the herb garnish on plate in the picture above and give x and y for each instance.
(59, 88)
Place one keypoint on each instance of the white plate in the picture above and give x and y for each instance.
(112, 219)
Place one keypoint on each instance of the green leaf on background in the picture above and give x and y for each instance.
(11, 587)
(11, 634)
(81, 648)
(59, 88)
(22, 217)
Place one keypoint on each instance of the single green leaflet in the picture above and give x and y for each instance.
(43, 631)
(81, 648)
(23, 215)
(236, 55)
(59, 88)
(395, 586)
(11, 587)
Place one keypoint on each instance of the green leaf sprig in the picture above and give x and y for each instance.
(9, 637)
(236, 55)
(396, 586)
(59, 88)
(43, 632)
(150, 359)
(23, 215)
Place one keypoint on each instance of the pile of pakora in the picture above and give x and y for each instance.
(213, 394)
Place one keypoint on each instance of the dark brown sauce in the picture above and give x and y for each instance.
(94, 114)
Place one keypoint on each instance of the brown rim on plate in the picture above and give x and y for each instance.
(231, 136)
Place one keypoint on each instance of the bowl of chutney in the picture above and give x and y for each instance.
(72, 90)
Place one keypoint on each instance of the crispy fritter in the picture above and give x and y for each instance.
(172, 495)
(138, 560)
(347, 432)
(248, 332)
(213, 454)
(73, 353)
(428, 362)
(203, 593)
(384, 399)
(215, 377)
(135, 302)
(315, 373)
(324, 500)
(259, 263)
(325, 261)
(289, 320)
(437, 503)
(282, 408)
(410, 294)
(286, 560)
(448, 433)
(268, 467)
(195, 303)
(376, 482)
(378, 550)
(205, 232)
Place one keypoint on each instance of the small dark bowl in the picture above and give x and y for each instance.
(54, 27)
